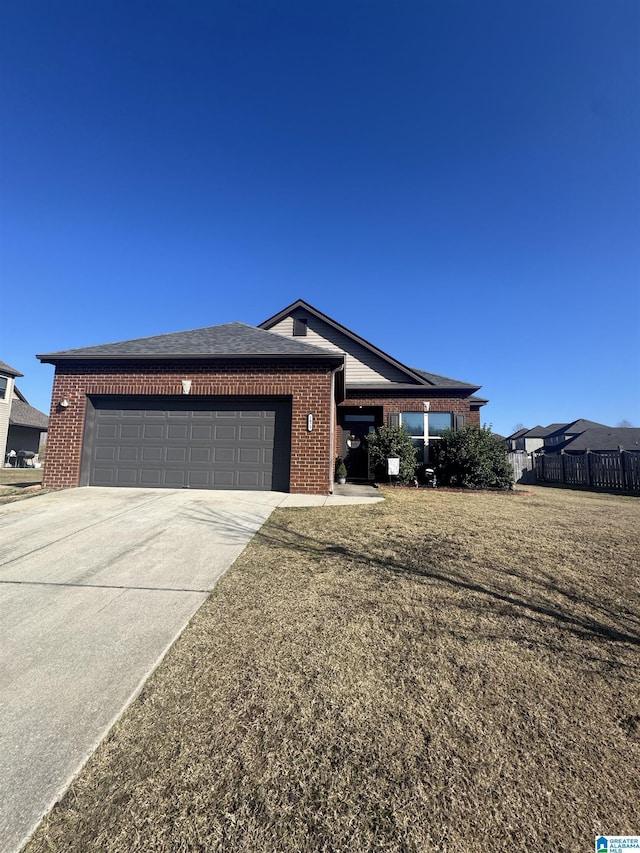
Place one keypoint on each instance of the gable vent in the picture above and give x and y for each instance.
(300, 327)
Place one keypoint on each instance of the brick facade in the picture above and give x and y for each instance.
(393, 402)
(308, 386)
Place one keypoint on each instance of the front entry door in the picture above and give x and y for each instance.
(356, 426)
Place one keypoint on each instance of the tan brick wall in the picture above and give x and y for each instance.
(308, 386)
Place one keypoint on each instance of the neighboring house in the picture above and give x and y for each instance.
(603, 439)
(239, 407)
(557, 435)
(515, 440)
(27, 426)
(7, 379)
(529, 440)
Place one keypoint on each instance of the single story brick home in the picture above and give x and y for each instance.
(239, 407)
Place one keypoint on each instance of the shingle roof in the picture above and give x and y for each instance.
(605, 438)
(230, 339)
(443, 381)
(537, 432)
(574, 427)
(9, 371)
(549, 430)
(519, 433)
(24, 415)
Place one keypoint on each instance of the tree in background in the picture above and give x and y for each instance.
(472, 458)
(392, 441)
(625, 422)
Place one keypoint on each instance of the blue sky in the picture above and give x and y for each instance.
(457, 182)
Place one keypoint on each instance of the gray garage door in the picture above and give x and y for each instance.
(188, 442)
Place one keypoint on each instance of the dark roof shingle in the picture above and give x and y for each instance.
(230, 339)
(605, 438)
(24, 415)
(10, 371)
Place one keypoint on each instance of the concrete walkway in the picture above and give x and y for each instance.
(95, 586)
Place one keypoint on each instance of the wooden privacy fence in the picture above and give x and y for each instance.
(522, 464)
(613, 470)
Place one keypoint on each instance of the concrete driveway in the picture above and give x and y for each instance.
(95, 585)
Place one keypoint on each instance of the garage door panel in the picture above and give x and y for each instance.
(224, 454)
(152, 454)
(179, 432)
(223, 479)
(151, 431)
(177, 454)
(202, 432)
(126, 476)
(175, 479)
(107, 430)
(131, 431)
(200, 454)
(129, 454)
(225, 433)
(107, 476)
(250, 432)
(242, 443)
(250, 455)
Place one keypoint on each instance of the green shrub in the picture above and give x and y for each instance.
(472, 458)
(392, 441)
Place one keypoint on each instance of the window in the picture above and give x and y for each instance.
(300, 327)
(425, 429)
(3, 387)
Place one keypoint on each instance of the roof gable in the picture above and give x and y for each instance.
(234, 340)
(367, 366)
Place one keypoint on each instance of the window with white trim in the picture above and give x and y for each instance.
(3, 387)
(427, 428)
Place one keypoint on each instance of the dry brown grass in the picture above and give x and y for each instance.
(16, 484)
(443, 671)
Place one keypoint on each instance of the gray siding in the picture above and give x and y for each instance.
(362, 366)
(5, 410)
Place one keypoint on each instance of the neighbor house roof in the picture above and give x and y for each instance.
(537, 432)
(24, 415)
(605, 438)
(233, 340)
(9, 371)
(519, 433)
(543, 432)
(415, 377)
(574, 427)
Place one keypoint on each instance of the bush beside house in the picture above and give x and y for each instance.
(472, 458)
(392, 441)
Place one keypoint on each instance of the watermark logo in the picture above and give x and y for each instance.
(617, 843)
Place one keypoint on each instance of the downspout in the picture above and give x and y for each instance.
(332, 424)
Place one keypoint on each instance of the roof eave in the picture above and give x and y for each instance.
(419, 389)
(55, 358)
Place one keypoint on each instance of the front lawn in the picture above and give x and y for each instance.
(17, 484)
(442, 671)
